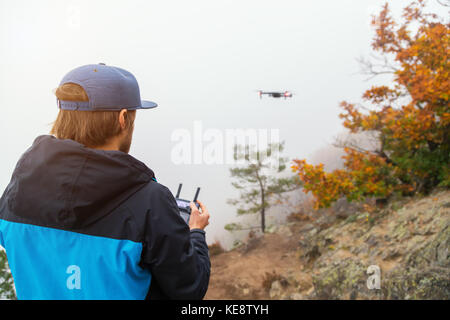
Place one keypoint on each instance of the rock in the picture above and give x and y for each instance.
(434, 253)
(371, 241)
(326, 223)
(429, 283)
(312, 253)
(251, 244)
(401, 231)
(358, 233)
(296, 296)
(442, 254)
(374, 253)
(276, 289)
(307, 227)
(347, 276)
(312, 232)
(426, 274)
(351, 218)
(310, 292)
(343, 209)
(390, 254)
(427, 219)
(355, 250)
(427, 231)
(343, 214)
(303, 284)
(303, 243)
(284, 230)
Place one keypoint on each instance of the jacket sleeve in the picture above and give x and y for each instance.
(177, 257)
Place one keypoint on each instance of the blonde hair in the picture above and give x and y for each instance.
(90, 128)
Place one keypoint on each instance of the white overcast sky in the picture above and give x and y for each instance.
(199, 60)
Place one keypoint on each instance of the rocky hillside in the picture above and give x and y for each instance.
(328, 257)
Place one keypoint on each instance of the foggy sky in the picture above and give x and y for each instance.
(199, 60)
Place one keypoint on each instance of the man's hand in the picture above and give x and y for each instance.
(198, 220)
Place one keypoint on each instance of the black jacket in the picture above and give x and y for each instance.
(79, 223)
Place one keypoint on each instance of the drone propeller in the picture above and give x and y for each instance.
(260, 93)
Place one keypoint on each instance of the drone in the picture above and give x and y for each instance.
(275, 94)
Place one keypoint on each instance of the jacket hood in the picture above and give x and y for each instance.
(61, 182)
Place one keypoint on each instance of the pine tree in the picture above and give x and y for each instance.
(257, 181)
(6, 281)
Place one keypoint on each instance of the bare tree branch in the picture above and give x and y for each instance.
(376, 69)
(445, 4)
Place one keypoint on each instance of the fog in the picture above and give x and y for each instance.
(200, 61)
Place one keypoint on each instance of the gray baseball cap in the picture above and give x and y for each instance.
(108, 89)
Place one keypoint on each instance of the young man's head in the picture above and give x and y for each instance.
(98, 106)
(109, 130)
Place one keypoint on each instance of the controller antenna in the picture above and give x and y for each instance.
(179, 190)
(196, 194)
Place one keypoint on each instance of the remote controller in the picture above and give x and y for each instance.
(183, 205)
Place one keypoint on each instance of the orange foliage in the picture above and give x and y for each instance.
(414, 142)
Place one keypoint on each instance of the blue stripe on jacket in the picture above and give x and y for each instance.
(81, 266)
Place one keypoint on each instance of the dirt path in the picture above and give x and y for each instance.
(240, 274)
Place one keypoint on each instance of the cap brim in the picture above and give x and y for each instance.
(147, 104)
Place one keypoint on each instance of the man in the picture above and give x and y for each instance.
(82, 219)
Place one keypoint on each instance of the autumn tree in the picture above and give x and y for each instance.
(259, 182)
(410, 118)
